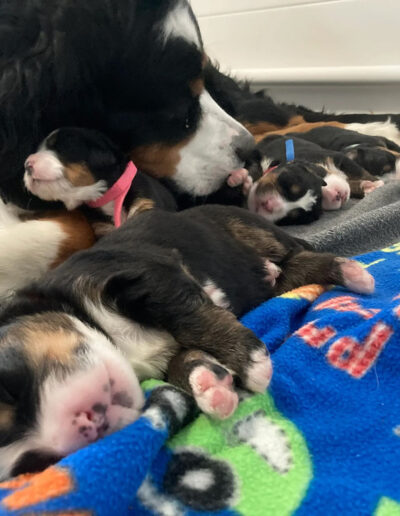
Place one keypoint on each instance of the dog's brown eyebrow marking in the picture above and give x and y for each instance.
(78, 174)
(49, 336)
(7, 415)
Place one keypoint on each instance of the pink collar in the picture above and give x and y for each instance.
(117, 193)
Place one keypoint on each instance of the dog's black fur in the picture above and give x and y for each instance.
(100, 64)
(377, 155)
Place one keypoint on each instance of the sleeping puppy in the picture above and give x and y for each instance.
(288, 193)
(340, 178)
(82, 166)
(143, 301)
(377, 155)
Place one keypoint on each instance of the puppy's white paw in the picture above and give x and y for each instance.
(356, 278)
(259, 373)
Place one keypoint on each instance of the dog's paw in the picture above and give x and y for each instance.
(272, 272)
(259, 373)
(355, 277)
(213, 392)
(369, 186)
(241, 177)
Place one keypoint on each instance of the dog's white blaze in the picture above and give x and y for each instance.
(385, 129)
(306, 203)
(61, 399)
(210, 154)
(180, 24)
(147, 350)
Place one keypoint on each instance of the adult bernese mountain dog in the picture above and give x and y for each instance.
(132, 69)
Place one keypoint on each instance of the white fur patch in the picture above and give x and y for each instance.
(385, 129)
(266, 163)
(180, 24)
(217, 295)
(28, 250)
(62, 190)
(306, 203)
(147, 350)
(268, 439)
(210, 157)
(336, 181)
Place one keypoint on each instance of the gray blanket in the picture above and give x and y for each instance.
(362, 226)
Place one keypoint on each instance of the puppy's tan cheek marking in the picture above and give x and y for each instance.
(159, 160)
(268, 183)
(56, 346)
(78, 174)
(7, 416)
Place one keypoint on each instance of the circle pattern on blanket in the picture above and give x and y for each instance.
(199, 481)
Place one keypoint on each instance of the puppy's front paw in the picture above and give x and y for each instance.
(214, 392)
(241, 177)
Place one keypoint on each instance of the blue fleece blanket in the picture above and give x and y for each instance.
(325, 439)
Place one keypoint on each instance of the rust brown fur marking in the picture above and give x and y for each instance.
(79, 234)
(260, 241)
(159, 160)
(139, 206)
(197, 87)
(7, 416)
(49, 336)
(78, 174)
(302, 127)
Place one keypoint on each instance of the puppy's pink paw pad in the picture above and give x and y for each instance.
(214, 396)
(356, 278)
(259, 373)
(370, 186)
(272, 272)
(241, 177)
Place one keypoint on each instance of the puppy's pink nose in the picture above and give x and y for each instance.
(270, 204)
(30, 164)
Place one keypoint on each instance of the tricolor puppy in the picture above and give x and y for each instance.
(81, 166)
(377, 155)
(289, 193)
(157, 295)
(340, 178)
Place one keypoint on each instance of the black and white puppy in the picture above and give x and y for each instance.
(297, 197)
(157, 295)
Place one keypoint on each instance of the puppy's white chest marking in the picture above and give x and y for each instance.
(147, 350)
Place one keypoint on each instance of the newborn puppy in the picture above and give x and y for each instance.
(377, 155)
(81, 166)
(341, 178)
(289, 193)
(156, 296)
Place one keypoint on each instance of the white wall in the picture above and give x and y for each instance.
(332, 53)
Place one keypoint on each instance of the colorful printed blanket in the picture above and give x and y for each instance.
(325, 439)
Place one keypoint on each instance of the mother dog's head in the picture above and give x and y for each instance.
(131, 68)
